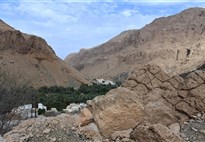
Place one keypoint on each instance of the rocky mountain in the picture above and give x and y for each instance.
(175, 43)
(32, 60)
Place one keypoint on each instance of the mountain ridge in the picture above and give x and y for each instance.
(165, 40)
(30, 57)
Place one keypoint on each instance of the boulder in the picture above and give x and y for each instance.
(91, 132)
(154, 133)
(82, 119)
(74, 108)
(175, 128)
(87, 117)
(54, 110)
(120, 109)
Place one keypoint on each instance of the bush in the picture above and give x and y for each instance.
(41, 111)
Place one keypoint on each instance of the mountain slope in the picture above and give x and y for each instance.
(33, 60)
(165, 42)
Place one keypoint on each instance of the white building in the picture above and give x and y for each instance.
(105, 82)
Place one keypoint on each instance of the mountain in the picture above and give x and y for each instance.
(175, 43)
(33, 61)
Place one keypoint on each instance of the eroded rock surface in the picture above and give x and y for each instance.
(120, 109)
(155, 133)
(184, 96)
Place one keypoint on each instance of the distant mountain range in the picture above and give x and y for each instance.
(175, 43)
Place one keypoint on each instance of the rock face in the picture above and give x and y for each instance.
(175, 43)
(33, 60)
(120, 109)
(156, 88)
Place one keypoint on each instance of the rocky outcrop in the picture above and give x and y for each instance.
(158, 89)
(33, 61)
(46, 129)
(112, 111)
(67, 127)
(175, 43)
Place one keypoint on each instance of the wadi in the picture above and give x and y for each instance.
(144, 85)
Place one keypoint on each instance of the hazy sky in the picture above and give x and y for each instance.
(69, 25)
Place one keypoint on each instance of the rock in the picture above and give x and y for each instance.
(46, 131)
(2, 139)
(154, 133)
(194, 130)
(53, 139)
(158, 112)
(186, 108)
(121, 134)
(202, 131)
(175, 128)
(126, 140)
(83, 118)
(105, 140)
(87, 117)
(54, 110)
(112, 111)
(74, 108)
(91, 132)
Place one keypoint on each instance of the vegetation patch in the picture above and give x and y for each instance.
(60, 97)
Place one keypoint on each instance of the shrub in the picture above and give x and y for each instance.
(41, 111)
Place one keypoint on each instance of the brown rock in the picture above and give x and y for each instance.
(44, 129)
(91, 132)
(87, 117)
(112, 111)
(154, 133)
(185, 108)
(158, 113)
(199, 92)
(121, 134)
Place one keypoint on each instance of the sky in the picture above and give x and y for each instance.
(69, 25)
